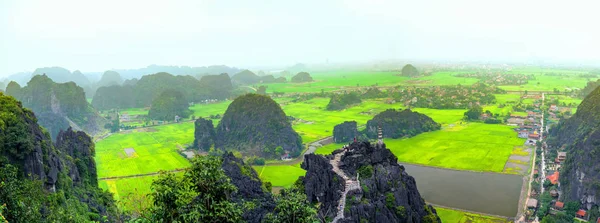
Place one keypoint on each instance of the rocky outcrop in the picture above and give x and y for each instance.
(61, 168)
(58, 104)
(204, 134)
(249, 186)
(256, 125)
(345, 132)
(398, 124)
(579, 136)
(79, 148)
(387, 193)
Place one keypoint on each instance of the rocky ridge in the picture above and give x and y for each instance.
(366, 184)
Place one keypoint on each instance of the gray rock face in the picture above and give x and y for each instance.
(80, 148)
(322, 185)
(249, 188)
(388, 193)
(345, 132)
(204, 134)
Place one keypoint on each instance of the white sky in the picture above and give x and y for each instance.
(100, 35)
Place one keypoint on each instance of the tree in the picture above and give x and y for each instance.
(473, 113)
(262, 90)
(201, 195)
(169, 104)
(292, 206)
(409, 71)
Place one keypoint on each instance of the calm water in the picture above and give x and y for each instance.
(491, 193)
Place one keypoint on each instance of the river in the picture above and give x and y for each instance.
(491, 193)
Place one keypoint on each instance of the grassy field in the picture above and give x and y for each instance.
(280, 175)
(472, 146)
(339, 80)
(123, 187)
(454, 216)
(155, 149)
(567, 79)
(318, 123)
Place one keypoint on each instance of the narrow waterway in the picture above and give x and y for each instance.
(491, 193)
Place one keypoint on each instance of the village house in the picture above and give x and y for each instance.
(523, 134)
(580, 214)
(534, 136)
(532, 203)
(553, 108)
(554, 178)
(559, 205)
(515, 121)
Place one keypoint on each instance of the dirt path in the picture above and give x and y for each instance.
(349, 185)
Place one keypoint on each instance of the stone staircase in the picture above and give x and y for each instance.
(349, 185)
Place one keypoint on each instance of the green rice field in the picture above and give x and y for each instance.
(455, 216)
(155, 149)
(471, 146)
(280, 175)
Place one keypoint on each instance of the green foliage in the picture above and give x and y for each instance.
(216, 86)
(256, 124)
(201, 195)
(398, 124)
(365, 171)
(390, 200)
(292, 206)
(114, 97)
(341, 101)
(473, 113)
(168, 105)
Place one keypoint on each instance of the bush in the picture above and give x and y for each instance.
(365, 171)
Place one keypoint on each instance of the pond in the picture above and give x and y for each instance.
(491, 193)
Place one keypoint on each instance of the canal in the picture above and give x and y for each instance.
(491, 193)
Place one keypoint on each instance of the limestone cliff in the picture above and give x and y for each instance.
(380, 188)
(256, 125)
(579, 136)
(250, 188)
(204, 134)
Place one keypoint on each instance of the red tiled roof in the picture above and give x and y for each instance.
(559, 204)
(554, 177)
(598, 220)
(581, 213)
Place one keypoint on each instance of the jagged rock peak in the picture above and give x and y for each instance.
(385, 192)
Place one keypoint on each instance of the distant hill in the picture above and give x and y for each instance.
(177, 70)
(302, 77)
(62, 75)
(579, 136)
(45, 182)
(256, 125)
(217, 86)
(140, 93)
(245, 77)
(109, 78)
(57, 106)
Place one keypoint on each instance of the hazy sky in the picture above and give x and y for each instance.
(99, 35)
